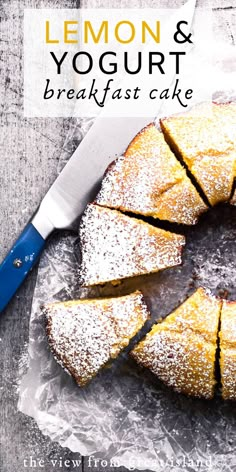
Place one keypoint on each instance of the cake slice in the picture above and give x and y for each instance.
(85, 334)
(227, 337)
(148, 180)
(115, 246)
(181, 350)
(204, 138)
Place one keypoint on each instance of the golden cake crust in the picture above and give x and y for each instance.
(205, 140)
(148, 180)
(181, 350)
(184, 364)
(115, 246)
(85, 334)
(227, 337)
(199, 313)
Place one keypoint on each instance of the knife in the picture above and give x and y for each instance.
(68, 196)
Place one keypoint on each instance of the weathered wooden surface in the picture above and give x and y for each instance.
(29, 155)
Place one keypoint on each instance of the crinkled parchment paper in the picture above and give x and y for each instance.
(126, 414)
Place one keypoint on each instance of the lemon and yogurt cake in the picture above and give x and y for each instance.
(204, 138)
(181, 350)
(148, 180)
(85, 334)
(115, 246)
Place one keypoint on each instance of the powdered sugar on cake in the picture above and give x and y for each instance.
(181, 349)
(115, 246)
(84, 335)
(228, 350)
(170, 358)
(136, 182)
(149, 180)
(210, 153)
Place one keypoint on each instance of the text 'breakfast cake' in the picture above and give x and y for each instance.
(149, 180)
(115, 246)
(228, 350)
(204, 138)
(85, 334)
(181, 350)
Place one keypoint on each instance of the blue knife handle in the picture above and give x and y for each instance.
(19, 261)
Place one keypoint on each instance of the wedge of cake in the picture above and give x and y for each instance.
(227, 337)
(181, 350)
(85, 334)
(204, 138)
(115, 246)
(148, 180)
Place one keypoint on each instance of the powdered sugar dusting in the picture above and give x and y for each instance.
(216, 176)
(203, 124)
(150, 165)
(181, 203)
(210, 153)
(199, 313)
(228, 325)
(228, 350)
(181, 350)
(149, 180)
(115, 246)
(183, 363)
(84, 335)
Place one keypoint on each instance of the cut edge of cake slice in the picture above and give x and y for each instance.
(115, 246)
(148, 180)
(84, 335)
(227, 339)
(180, 351)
